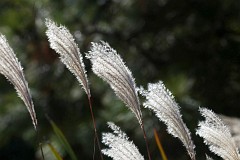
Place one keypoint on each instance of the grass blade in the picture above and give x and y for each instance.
(164, 157)
(63, 140)
(54, 151)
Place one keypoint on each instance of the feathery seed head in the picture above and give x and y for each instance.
(217, 136)
(161, 101)
(11, 68)
(62, 41)
(120, 148)
(208, 158)
(108, 65)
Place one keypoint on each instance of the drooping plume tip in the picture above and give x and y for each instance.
(217, 136)
(11, 68)
(62, 41)
(120, 148)
(161, 101)
(109, 66)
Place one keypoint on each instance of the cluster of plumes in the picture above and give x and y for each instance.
(217, 136)
(11, 68)
(120, 148)
(160, 100)
(109, 66)
(62, 41)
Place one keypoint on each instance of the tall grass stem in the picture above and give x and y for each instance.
(39, 143)
(95, 127)
(146, 141)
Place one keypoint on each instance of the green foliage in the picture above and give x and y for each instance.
(63, 140)
(54, 151)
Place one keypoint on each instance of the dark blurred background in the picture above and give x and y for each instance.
(193, 46)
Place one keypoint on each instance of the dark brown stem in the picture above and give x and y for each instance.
(146, 141)
(94, 125)
(40, 143)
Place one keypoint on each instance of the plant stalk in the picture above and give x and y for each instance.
(39, 143)
(146, 141)
(94, 125)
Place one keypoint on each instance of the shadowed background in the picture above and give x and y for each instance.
(193, 46)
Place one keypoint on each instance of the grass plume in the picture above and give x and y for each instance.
(217, 136)
(108, 65)
(161, 101)
(120, 148)
(62, 41)
(11, 68)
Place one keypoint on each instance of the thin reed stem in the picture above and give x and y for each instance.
(146, 140)
(62, 41)
(40, 143)
(95, 128)
(94, 147)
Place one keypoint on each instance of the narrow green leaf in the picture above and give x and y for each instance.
(164, 157)
(54, 151)
(63, 140)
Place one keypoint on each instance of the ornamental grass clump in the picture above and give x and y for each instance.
(108, 65)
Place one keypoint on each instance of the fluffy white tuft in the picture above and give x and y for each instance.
(11, 68)
(120, 148)
(62, 41)
(161, 101)
(108, 65)
(217, 136)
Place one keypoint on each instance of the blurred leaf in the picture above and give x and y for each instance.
(164, 157)
(63, 140)
(54, 151)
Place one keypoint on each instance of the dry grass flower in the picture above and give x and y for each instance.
(109, 66)
(120, 148)
(11, 68)
(161, 101)
(217, 136)
(62, 41)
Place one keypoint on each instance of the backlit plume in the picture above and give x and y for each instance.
(11, 68)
